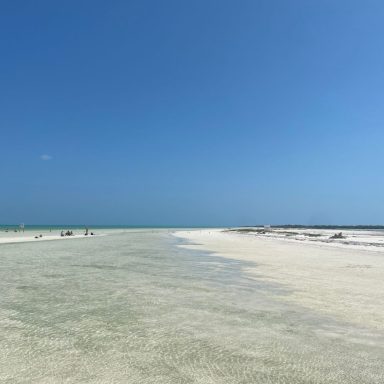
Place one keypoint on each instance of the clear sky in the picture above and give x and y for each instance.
(192, 112)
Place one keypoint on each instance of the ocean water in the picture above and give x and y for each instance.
(133, 307)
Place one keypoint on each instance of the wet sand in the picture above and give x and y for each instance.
(344, 282)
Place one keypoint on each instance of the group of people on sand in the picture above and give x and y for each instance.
(70, 233)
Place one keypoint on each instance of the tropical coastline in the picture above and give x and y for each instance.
(191, 192)
(193, 305)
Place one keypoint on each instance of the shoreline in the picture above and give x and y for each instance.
(342, 281)
(29, 235)
(372, 240)
(30, 238)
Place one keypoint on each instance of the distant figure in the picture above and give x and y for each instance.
(86, 231)
(62, 234)
(41, 235)
(338, 236)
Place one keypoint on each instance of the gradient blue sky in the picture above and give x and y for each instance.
(192, 112)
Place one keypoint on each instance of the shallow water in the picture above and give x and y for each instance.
(134, 308)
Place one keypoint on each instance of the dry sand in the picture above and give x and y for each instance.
(344, 282)
(30, 236)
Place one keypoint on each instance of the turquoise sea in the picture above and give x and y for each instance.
(133, 307)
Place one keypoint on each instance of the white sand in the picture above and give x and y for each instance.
(343, 281)
(20, 237)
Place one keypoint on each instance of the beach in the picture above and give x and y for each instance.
(34, 236)
(205, 306)
(341, 278)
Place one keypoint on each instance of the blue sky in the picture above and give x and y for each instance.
(192, 112)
